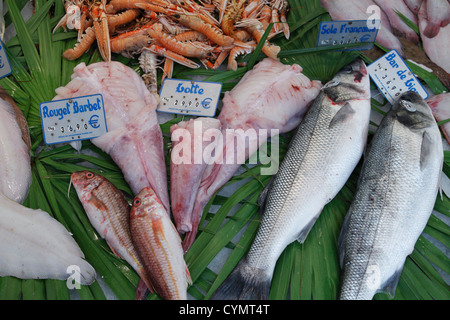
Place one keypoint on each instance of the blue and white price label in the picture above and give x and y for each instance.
(332, 33)
(393, 77)
(5, 67)
(194, 98)
(73, 119)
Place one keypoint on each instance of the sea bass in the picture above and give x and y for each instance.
(134, 138)
(272, 97)
(33, 245)
(395, 196)
(15, 145)
(109, 213)
(159, 246)
(323, 153)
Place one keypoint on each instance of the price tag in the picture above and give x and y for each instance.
(5, 67)
(393, 77)
(332, 33)
(196, 98)
(68, 120)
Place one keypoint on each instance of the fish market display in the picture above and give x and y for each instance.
(134, 139)
(440, 106)
(159, 246)
(15, 166)
(109, 213)
(33, 245)
(435, 46)
(395, 196)
(324, 152)
(188, 163)
(271, 96)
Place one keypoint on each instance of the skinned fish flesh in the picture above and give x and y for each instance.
(437, 16)
(187, 167)
(414, 5)
(389, 7)
(109, 213)
(358, 10)
(325, 150)
(395, 196)
(440, 107)
(159, 246)
(15, 145)
(33, 245)
(273, 97)
(134, 139)
(436, 46)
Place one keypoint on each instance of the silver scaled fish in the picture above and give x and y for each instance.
(395, 196)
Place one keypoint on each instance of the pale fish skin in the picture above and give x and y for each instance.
(395, 196)
(15, 165)
(159, 246)
(322, 155)
(33, 245)
(134, 138)
(109, 213)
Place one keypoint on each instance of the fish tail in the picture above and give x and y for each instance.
(244, 283)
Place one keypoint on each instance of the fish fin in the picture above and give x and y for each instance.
(391, 284)
(114, 251)
(263, 196)
(141, 290)
(244, 283)
(341, 239)
(188, 276)
(305, 231)
(344, 113)
(425, 150)
(98, 203)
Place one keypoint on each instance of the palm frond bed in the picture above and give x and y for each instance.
(230, 220)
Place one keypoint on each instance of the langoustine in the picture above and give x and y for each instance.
(272, 96)
(134, 138)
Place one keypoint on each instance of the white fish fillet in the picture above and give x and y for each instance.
(33, 245)
(190, 140)
(270, 96)
(390, 7)
(134, 139)
(15, 166)
(440, 106)
(435, 47)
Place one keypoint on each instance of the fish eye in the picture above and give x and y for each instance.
(137, 202)
(89, 175)
(408, 106)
